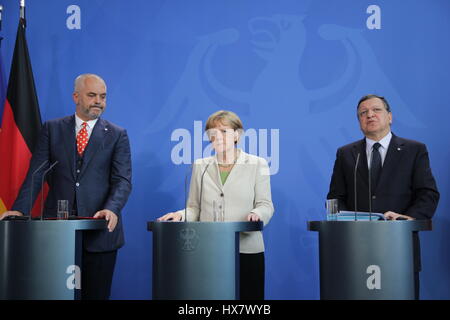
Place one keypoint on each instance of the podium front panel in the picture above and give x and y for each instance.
(367, 260)
(197, 260)
(41, 260)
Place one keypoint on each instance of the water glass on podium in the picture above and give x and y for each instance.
(332, 206)
(63, 210)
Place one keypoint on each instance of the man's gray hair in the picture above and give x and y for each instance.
(79, 81)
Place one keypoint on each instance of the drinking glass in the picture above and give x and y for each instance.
(63, 210)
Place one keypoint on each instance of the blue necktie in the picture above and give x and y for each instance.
(375, 165)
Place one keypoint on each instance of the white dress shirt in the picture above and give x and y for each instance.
(383, 149)
(89, 127)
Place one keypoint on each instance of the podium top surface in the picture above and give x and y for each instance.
(412, 225)
(238, 226)
(82, 224)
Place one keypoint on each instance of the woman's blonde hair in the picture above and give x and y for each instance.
(227, 118)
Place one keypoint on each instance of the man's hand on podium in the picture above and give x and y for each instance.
(10, 213)
(390, 215)
(109, 216)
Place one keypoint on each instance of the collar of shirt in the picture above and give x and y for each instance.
(383, 149)
(79, 123)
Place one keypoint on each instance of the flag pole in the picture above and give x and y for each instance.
(1, 17)
(22, 12)
(22, 9)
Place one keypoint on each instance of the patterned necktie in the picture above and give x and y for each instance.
(375, 165)
(82, 139)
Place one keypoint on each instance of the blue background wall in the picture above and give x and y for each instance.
(293, 70)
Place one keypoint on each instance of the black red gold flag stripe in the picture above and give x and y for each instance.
(21, 123)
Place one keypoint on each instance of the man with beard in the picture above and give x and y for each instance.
(93, 173)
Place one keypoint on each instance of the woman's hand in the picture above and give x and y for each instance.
(171, 216)
(253, 217)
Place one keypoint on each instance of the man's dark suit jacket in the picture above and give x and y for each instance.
(103, 180)
(406, 184)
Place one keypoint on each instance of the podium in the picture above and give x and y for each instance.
(40, 260)
(197, 260)
(367, 260)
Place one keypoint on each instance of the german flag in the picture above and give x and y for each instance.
(2, 84)
(21, 123)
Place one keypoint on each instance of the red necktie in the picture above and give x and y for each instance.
(82, 139)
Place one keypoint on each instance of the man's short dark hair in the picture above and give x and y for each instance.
(370, 96)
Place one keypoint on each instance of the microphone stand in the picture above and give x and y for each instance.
(354, 175)
(370, 188)
(201, 189)
(32, 186)
(185, 192)
(42, 187)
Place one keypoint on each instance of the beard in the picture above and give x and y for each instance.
(93, 112)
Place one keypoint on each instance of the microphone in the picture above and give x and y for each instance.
(370, 187)
(32, 186)
(354, 177)
(201, 189)
(185, 192)
(42, 187)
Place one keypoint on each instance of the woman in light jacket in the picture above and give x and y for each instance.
(232, 186)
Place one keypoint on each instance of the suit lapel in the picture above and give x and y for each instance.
(393, 156)
(95, 143)
(68, 132)
(236, 170)
(213, 172)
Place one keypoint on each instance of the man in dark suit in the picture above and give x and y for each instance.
(401, 182)
(93, 173)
